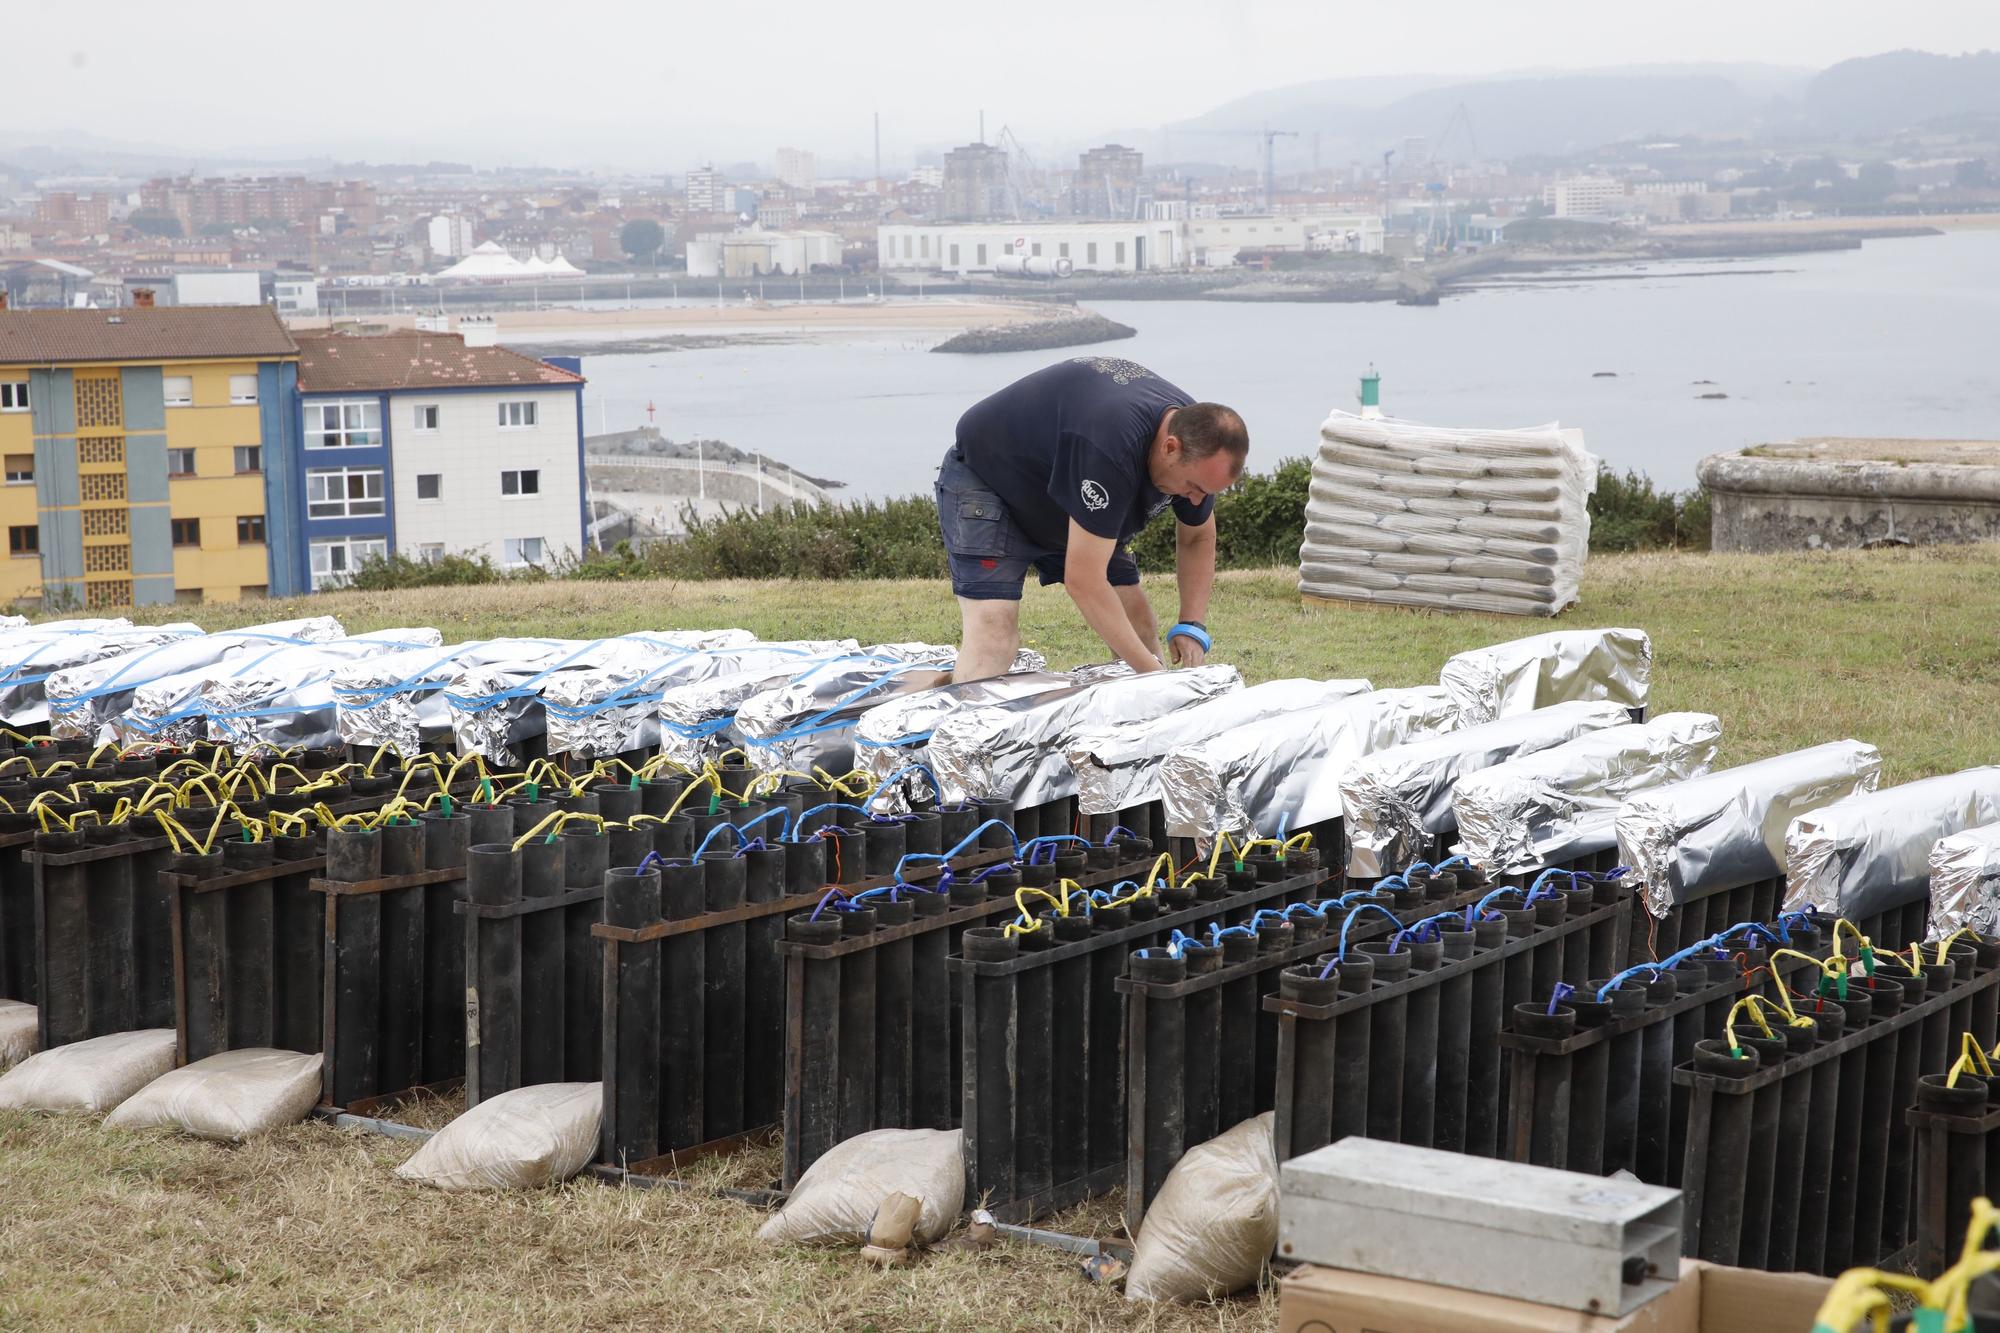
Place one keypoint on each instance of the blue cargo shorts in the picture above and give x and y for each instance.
(989, 553)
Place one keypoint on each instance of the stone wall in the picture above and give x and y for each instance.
(1791, 504)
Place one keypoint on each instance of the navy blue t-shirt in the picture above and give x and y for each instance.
(1076, 434)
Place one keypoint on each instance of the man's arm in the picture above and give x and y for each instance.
(1194, 573)
(1084, 578)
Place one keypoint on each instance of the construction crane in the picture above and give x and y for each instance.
(1017, 178)
(1271, 138)
(1437, 233)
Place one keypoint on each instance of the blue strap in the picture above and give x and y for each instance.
(1184, 630)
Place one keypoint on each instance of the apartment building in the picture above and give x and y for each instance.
(422, 445)
(135, 443)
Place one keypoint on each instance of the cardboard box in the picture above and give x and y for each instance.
(1707, 1299)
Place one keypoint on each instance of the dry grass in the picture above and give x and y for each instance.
(308, 1229)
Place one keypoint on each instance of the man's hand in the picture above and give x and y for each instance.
(1185, 651)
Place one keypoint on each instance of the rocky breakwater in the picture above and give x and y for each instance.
(1068, 328)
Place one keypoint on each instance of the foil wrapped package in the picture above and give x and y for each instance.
(891, 738)
(398, 700)
(1288, 769)
(1119, 767)
(1507, 678)
(607, 710)
(1019, 751)
(287, 700)
(810, 720)
(1727, 828)
(84, 699)
(496, 708)
(174, 710)
(1965, 882)
(1870, 852)
(1397, 802)
(1561, 804)
(30, 656)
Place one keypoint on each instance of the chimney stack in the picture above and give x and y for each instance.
(142, 298)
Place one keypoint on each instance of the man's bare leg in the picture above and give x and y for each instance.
(1139, 612)
(992, 636)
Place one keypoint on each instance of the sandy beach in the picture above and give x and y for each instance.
(789, 321)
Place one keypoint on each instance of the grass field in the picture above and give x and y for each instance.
(308, 1228)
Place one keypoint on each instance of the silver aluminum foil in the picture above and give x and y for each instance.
(287, 700)
(174, 710)
(12, 622)
(1727, 828)
(1871, 851)
(607, 710)
(892, 737)
(497, 707)
(810, 720)
(1561, 804)
(1019, 751)
(84, 699)
(398, 700)
(1289, 768)
(1543, 669)
(1396, 801)
(1119, 767)
(1965, 882)
(29, 657)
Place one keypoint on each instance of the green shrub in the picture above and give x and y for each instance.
(382, 573)
(1628, 513)
(1258, 523)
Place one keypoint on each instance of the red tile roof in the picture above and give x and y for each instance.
(142, 333)
(340, 363)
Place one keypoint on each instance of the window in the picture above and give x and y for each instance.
(344, 493)
(1035, 250)
(14, 396)
(333, 562)
(344, 425)
(242, 388)
(24, 541)
(430, 485)
(1090, 252)
(430, 552)
(1007, 247)
(1118, 253)
(187, 532)
(426, 417)
(249, 529)
(516, 415)
(20, 469)
(521, 551)
(982, 257)
(954, 256)
(525, 482)
(254, 592)
(178, 390)
(924, 246)
(1062, 251)
(180, 462)
(249, 458)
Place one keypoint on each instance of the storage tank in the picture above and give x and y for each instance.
(1032, 266)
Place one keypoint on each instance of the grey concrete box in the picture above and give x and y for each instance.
(1558, 1238)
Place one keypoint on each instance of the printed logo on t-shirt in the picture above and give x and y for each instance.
(1117, 367)
(1095, 497)
(1158, 505)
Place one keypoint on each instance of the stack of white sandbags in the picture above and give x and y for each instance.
(1465, 520)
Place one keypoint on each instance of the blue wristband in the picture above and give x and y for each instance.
(1184, 630)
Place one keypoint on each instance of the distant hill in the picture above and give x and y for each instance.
(1903, 89)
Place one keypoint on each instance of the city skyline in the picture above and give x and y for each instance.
(666, 96)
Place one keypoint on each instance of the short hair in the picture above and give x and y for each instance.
(1206, 429)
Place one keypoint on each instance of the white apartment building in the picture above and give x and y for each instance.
(425, 444)
(1584, 196)
(797, 168)
(1213, 241)
(975, 247)
(704, 190)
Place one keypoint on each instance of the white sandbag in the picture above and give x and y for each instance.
(533, 1136)
(231, 1096)
(88, 1076)
(1214, 1223)
(17, 1032)
(836, 1198)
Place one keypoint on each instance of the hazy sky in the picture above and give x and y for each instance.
(651, 86)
